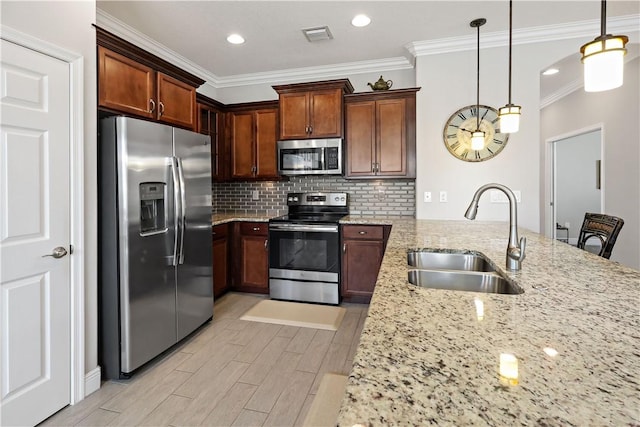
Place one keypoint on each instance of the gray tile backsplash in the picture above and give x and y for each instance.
(375, 197)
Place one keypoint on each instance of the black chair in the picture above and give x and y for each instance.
(603, 227)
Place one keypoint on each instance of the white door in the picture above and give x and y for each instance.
(34, 221)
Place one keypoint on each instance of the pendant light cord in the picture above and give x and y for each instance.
(478, 85)
(510, 26)
(603, 17)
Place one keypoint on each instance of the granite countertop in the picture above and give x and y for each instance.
(426, 357)
(222, 218)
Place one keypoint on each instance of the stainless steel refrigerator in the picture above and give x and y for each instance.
(155, 284)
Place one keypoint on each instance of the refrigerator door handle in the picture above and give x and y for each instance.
(177, 208)
(183, 210)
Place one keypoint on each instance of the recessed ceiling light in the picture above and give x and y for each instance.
(235, 39)
(550, 71)
(360, 21)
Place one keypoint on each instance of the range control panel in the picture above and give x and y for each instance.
(317, 199)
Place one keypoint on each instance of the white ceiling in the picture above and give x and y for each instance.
(197, 30)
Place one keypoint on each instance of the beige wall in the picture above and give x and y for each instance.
(68, 25)
(618, 111)
(448, 83)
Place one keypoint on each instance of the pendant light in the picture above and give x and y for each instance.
(603, 58)
(477, 137)
(510, 114)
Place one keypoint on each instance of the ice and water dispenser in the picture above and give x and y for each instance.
(152, 208)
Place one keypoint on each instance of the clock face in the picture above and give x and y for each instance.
(459, 127)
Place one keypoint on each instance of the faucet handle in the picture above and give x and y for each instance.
(523, 245)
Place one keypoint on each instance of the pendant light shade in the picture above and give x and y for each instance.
(510, 114)
(477, 140)
(477, 137)
(603, 58)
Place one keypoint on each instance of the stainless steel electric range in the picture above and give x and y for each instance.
(304, 248)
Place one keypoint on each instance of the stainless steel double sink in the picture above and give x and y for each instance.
(457, 271)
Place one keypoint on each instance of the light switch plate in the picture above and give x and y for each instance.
(443, 197)
(255, 195)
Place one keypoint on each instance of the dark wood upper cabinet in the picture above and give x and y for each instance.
(134, 82)
(211, 122)
(381, 134)
(253, 131)
(312, 110)
(125, 85)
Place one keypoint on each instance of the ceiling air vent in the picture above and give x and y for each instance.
(317, 34)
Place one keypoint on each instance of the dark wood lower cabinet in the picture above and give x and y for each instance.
(362, 251)
(220, 259)
(251, 257)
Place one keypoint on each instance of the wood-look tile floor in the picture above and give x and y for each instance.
(230, 373)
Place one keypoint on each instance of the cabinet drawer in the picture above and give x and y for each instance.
(368, 232)
(254, 228)
(220, 231)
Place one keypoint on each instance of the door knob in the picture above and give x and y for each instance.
(58, 252)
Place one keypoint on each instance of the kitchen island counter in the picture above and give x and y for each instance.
(428, 356)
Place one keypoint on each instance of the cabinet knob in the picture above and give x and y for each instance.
(152, 105)
(362, 233)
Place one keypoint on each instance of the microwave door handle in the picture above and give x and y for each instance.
(322, 158)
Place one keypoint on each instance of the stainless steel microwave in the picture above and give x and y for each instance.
(310, 157)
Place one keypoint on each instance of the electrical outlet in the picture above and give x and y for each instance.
(443, 197)
(427, 196)
(255, 195)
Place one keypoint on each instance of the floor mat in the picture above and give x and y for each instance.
(296, 314)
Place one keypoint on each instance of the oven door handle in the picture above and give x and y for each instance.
(304, 228)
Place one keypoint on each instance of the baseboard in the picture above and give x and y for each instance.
(92, 381)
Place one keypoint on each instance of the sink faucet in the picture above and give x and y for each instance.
(515, 249)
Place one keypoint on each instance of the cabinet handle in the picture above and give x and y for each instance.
(310, 130)
(160, 108)
(266, 244)
(256, 228)
(214, 233)
(362, 233)
(344, 248)
(152, 105)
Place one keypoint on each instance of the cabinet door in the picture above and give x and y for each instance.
(391, 137)
(220, 265)
(294, 115)
(254, 270)
(361, 261)
(176, 102)
(361, 138)
(266, 136)
(326, 113)
(242, 153)
(125, 85)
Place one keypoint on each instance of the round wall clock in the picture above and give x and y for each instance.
(459, 127)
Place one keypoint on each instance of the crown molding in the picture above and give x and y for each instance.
(571, 30)
(132, 35)
(328, 71)
(565, 90)
(581, 29)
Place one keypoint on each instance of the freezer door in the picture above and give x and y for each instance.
(147, 240)
(194, 274)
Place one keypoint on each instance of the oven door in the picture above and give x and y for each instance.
(309, 252)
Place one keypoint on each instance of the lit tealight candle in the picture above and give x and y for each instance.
(508, 369)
